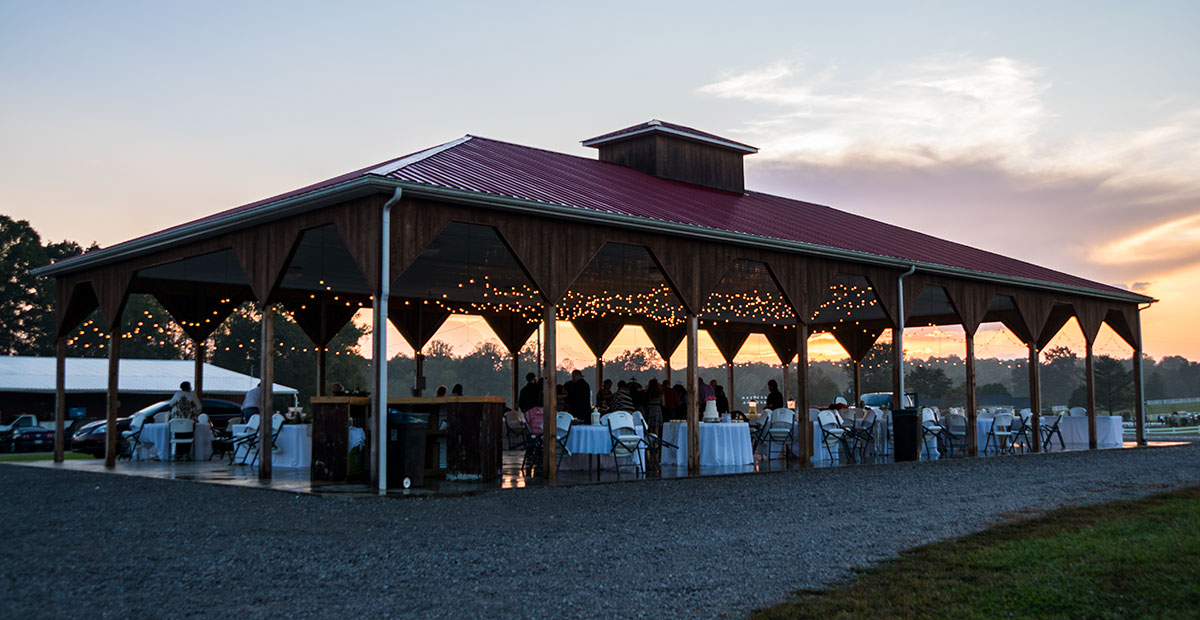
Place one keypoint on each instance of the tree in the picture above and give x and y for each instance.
(22, 307)
(998, 389)
(1061, 372)
(821, 388)
(928, 382)
(147, 332)
(1114, 384)
(876, 368)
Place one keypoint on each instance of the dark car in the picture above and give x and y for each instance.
(27, 438)
(90, 438)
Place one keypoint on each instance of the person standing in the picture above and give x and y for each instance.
(250, 403)
(579, 397)
(654, 406)
(530, 395)
(774, 396)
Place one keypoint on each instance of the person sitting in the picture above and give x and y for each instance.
(622, 400)
(185, 403)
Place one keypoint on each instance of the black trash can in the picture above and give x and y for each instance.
(906, 433)
(406, 449)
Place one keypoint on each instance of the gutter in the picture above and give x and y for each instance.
(369, 184)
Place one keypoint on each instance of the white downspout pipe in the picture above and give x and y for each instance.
(899, 343)
(379, 335)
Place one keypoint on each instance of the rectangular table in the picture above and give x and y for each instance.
(1109, 431)
(160, 436)
(293, 448)
(587, 442)
(720, 444)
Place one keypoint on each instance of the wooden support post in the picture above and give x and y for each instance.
(1139, 397)
(784, 387)
(972, 404)
(729, 379)
(856, 376)
(599, 378)
(897, 368)
(198, 371)
(1035, 395)
(266, 407)
(321, 350)
(516, 379)
(60, 398)
(804, 428)
(1089, 365)
(550, 392)
(667, 364)
(693, 393)
(114, 371)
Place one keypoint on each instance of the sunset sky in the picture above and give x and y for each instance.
(1066, 134)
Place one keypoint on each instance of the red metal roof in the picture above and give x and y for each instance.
(498, 168)
(505, 169)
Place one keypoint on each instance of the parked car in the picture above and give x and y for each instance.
(27, 438)
(23, 420)
(883, 400)
(90, 438)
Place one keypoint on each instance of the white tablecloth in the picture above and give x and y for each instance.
(160, 436)
(586, 441)
(1109, 432)
(720, 444)
(293, 448)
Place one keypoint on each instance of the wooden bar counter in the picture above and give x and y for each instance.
(462, 441)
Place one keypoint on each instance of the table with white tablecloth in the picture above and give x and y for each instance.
(1109, 431)
(720, 444)
(160, 436)
(591, 445)
(293, 447)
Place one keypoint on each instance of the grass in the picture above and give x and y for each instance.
(22, 457)
(1128, 559)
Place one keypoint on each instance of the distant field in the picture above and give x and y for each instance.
(1153, 409)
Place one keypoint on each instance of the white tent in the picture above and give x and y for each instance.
(90, 375)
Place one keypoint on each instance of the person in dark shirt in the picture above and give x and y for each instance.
(604, 396)
(774, 396)
(530, 395)
(681, 408)
(722, 400)
(579, 397)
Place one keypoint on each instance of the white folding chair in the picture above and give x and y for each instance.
(930, 427)
(276, 426)
(132, 438)
(161, 417)
(1078, 411)
(779, 430)
(863, 434)
(832, 433)
(625, 441)
(245, 439)
(956, 429)
(182, 432)
(203, 419)
(562, 433)
(1001, 432)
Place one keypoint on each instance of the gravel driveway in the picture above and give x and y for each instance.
(82, 544)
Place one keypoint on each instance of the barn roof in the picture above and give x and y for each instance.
(89, 375)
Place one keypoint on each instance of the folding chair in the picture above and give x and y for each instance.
(276, 426)
(1050, 430)
(930, 427)
(625, 441)
(779, 430)
(1001, 431)
(656, 442)
(131, 440)
(956, 430)
(832, 433)
(182, 431)
(863, 435)
(245, 439)
(563, 433)
(1022, 428)
(759, 432)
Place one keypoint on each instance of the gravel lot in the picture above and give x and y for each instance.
(83, 544)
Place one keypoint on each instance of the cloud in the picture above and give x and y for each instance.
(968, 149)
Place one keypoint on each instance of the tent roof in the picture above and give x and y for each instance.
(87, 375)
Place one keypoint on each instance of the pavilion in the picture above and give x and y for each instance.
(658, 232)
